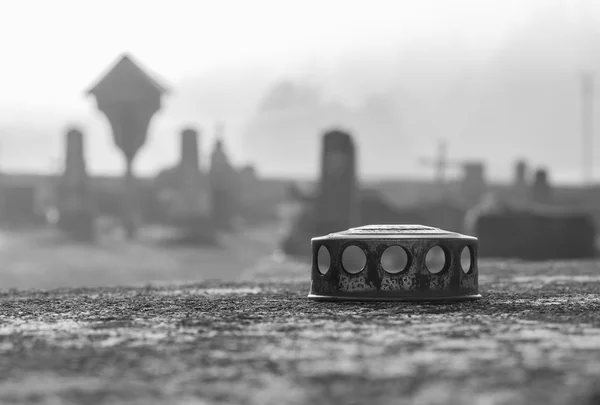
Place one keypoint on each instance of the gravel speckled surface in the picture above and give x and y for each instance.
(533, 339)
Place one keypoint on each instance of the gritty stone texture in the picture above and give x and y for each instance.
(533, 339)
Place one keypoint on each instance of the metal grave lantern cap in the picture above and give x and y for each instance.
(371, 280)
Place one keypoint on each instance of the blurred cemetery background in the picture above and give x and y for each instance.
(243, 191)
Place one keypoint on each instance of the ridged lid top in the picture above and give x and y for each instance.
(393, 232)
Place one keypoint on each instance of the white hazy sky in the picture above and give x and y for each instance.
(50, 51)
(75, 39)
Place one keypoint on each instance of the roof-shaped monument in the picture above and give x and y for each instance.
(126, 77)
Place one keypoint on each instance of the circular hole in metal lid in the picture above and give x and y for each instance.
(394, 259)
(466, 259)
(435, 259)
(353, 259)
(323, 260)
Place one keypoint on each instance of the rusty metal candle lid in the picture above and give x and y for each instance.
(362, 265)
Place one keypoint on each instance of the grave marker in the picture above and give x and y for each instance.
(129, 98)
(541, 192)
(195, 193)
(337, 204)
(75, 212)
(223, 178)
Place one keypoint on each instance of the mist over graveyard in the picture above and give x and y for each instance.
(440, 119)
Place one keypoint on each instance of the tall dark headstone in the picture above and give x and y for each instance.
(520, 179)
(337, 202)
(76, 217)
(541, 192)
(129, 98)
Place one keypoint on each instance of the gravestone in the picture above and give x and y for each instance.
(337, 202)
(192, 208)
(520, 174)
(520, 182)
(536, 235)
(193, 185)
(129, 98)
(541, 192)
(530, 233)
(76, 217)
(224, 190)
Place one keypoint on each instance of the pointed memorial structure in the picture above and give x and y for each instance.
(129, 97)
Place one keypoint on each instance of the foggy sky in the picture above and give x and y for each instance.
(498, 84)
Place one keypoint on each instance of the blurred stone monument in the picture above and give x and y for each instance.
(541, 192)
(192, 208)
(520, 183)
(76, 216)
(535, 234)
(194, 187)
(223, 185)
(520, 180)
(536, 231)
(337, 201)
(129, 98)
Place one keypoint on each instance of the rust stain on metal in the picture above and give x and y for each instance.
(413, 283)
